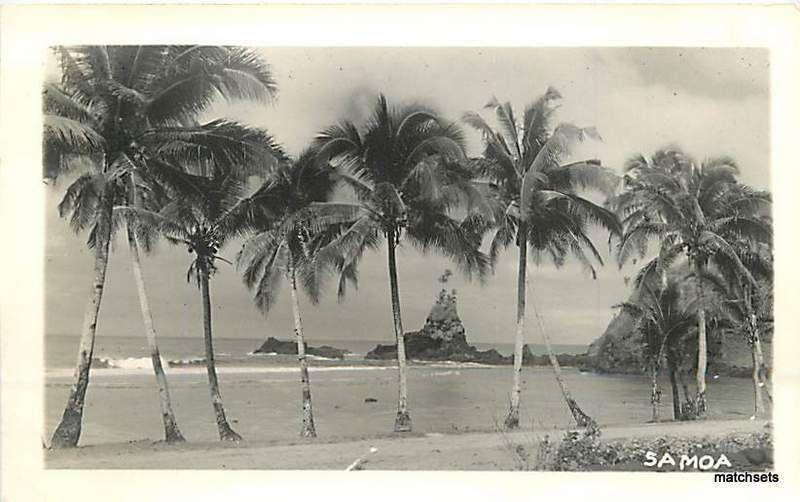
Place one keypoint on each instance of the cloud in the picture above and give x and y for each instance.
(710, 101)
(732, 73)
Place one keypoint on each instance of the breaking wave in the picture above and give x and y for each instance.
(128, 363)
(196, 365)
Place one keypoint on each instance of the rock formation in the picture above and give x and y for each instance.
(273, 345)
(619, 350)
(443, 338)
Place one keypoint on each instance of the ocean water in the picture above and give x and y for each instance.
(131, 352)
(262, 393)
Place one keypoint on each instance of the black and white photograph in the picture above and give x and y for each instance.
(409, 258)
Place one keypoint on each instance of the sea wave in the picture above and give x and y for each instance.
(127, 363)
(445, 373)
(196, 365)
(455, 364)
(321, 358)
(192, 369)
(189, 361)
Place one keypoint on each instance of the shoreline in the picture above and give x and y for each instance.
(263, 403)
(321, 364)
(474, 450)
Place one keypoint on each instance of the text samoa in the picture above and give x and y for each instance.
(702, 462)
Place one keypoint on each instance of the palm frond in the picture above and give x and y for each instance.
(58, 101)
(220, 144)
(71, 136)
(549, 157)
(536, 123)
(195, 76)
(459, 241)
(508, 125)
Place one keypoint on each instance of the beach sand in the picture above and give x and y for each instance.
(433, 451)
(454, 409)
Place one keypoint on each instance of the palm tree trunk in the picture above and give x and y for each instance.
(225, 431)
(655, 393)
(68, 431)
(402, 422)
(172, 433)
(307, 428)
(758, 369)
(687, 405)
(676, 396)
(758, 403)
(512, 417)
(762, 371)
(701, 406)
(581, 418)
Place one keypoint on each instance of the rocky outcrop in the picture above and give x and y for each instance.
(443, 338)
(274, 346)
(443, 322)
(422, 347)
(619, 350)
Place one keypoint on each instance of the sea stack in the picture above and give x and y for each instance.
(442, 337)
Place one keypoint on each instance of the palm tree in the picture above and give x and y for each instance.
(119, 105)
(286, 245)
(537, 206)
(744, 315)
(745, 309)
(90, 201)
(205, 213)
(695, 211)
(405, 168)
(663, 317)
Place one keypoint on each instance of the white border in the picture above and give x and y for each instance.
(27, 31)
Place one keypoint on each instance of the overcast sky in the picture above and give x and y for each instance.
(709, 101)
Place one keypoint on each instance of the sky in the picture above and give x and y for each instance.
(709, 101)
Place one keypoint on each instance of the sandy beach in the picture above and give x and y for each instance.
(432, 451)
(455, 410)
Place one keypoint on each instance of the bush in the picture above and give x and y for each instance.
(582, 450)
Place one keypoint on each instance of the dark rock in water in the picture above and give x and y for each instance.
(422, 348)
(443, 338)
(370, 400)
(273, 345)
(326, 351)
(383, 352)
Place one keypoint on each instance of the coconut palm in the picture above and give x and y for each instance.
(285, 246)
(695, 211)
(748, 314)
(405, 167)
(205, 213)
(663, 317)
(745, 309)
(118, 105)
(537, 205)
